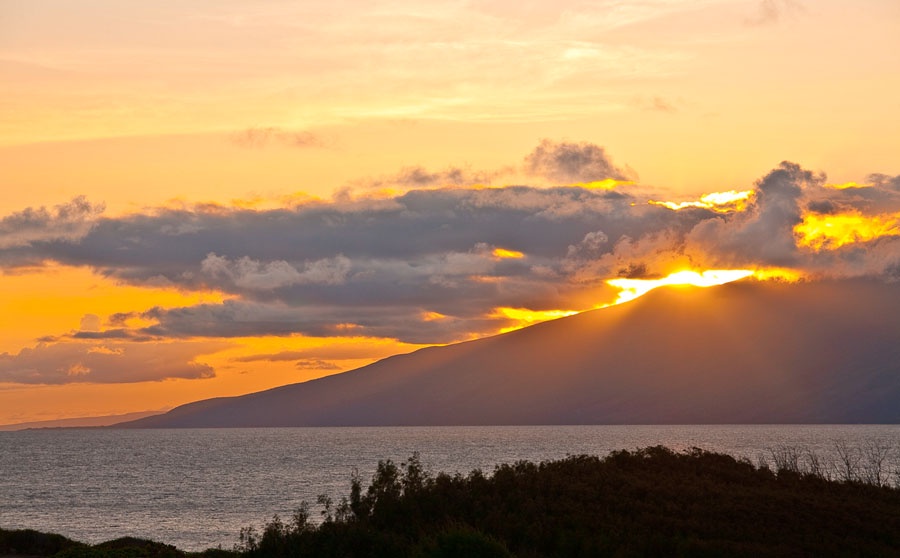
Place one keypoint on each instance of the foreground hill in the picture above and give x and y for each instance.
(745, 352)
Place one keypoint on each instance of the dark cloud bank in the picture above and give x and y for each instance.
(420, 267)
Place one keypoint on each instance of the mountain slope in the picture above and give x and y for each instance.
(79, 422)
(745, 352)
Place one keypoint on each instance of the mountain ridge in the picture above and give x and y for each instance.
(77, 422)
(745, 352)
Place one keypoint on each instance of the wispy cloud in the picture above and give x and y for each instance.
(351, 349)
(108, 363)
(258, 137)
(316, 364)
(771, 11)
(655, 103)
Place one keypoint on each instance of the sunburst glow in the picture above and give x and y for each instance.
(631, 289)
(504, 254)
(778, 274)
(526, 317)
(829, 232)
(605, 184)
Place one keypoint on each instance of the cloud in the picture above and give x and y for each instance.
(250, 274)
(351, 349)
(764, 234)
(799, 221)
(400, 321)
(644, 256)
(315, 364)
(655, 104)
(115, 333)
(76, 362)
(420, 266)
(258, 137)
(372, 190)
(591, 246)
(64, 223)
(90, 322)
(770, 12)
(883, 181)
(420, 177)
(568, 163)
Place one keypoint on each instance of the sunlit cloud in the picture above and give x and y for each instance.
(432, 316)
(443, 258)
(781, 275)
(720, 202)
(831, 231)
(605, 184)
(503, 253)
(847, 186)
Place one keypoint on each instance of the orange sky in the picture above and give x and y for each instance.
(273, 191)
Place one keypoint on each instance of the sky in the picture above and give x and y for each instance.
(207, 198)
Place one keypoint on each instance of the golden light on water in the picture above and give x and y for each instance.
(720, 202)
(829, 232)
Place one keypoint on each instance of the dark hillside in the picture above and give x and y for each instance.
(746, 352)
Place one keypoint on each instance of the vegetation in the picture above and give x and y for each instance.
(34, 543)
(648, 502)
(26, 542)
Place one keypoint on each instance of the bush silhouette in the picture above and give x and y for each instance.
(647, 502)
(461, 542)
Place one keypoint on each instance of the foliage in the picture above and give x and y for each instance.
(125, 547)
(34, 543)
(648, 502)
(461, 540)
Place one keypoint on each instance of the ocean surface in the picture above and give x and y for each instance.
(197, 488)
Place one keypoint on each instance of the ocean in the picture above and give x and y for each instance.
(197, 488)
